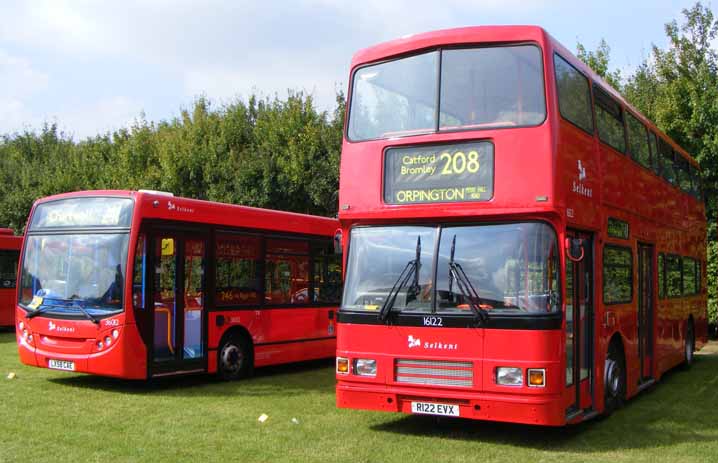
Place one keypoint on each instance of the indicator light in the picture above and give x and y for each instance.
(537, 377)
(342, 365)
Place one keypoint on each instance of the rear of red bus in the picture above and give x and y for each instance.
(453, 297)
(73, 288)
(9, 254)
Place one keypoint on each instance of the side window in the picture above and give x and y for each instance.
(684, 177)
(666, 161)
(237, 280)
(326, 274)
(286, 277)
(8, 268)
(574, 98)
(654, 153)
(138, 274)
(661, 276)
(609, 120)
(617, 275)
(673, 276)
(638, 141)
(690, 277)
(694, 174)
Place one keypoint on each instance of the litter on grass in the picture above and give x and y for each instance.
(11, 375)
(295, 421)
(262, 418)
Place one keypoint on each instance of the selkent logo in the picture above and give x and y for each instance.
(174, 207)
(579, 187)
(416, 342)
(60, 329)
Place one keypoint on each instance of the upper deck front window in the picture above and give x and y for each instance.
(478, 88)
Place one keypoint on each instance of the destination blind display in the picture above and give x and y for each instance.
(439, 174)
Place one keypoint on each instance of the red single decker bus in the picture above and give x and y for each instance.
(521, 244)
(9, 253)
(143, 284)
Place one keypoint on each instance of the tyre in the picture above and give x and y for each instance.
(689, 346)
(614, 380)
(234, 359)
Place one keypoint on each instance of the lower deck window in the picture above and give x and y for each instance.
(617, 275)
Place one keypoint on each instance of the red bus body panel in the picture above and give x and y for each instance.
(8, 242)
(280, 335)
(536, 177)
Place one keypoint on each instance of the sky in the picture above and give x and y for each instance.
(96, 66)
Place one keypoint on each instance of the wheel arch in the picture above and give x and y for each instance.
(241, 332)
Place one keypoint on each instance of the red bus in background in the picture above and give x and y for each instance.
(143, 284)
(9, 254)
(521, 244)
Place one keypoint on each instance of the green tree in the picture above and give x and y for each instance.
(599, 61)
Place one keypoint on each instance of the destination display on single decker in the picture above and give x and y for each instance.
(439, 173)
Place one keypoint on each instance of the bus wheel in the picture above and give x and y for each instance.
(614, 380)
(235, 358)
(689, 348)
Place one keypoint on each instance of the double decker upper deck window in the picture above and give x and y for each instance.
(395, 98)
(574, 98)
(609, 119)
(479, 88)
(491, 87)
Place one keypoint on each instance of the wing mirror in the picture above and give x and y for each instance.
(338, 241)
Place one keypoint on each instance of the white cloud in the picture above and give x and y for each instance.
(19, 81)
(104, 115)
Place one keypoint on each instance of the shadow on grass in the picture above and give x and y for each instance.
(7, 334)
(280, 380)
(678, 410)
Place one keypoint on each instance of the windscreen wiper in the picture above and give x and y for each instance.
(411, 270)
(456, 272)
(87, 314)
(47, 307)
(38, 311)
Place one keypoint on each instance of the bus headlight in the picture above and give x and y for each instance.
(509, 376)
(342, 365)
(21, 326)
(365, 367)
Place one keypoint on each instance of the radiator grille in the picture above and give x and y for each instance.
(434, 372)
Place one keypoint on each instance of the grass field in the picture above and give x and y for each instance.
(55, 416)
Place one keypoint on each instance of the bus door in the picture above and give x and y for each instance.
(579, 323)
(178, 303)
(645, 309)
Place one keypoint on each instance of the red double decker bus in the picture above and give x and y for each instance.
(9, 254)
(521, 244)
(143, 284)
